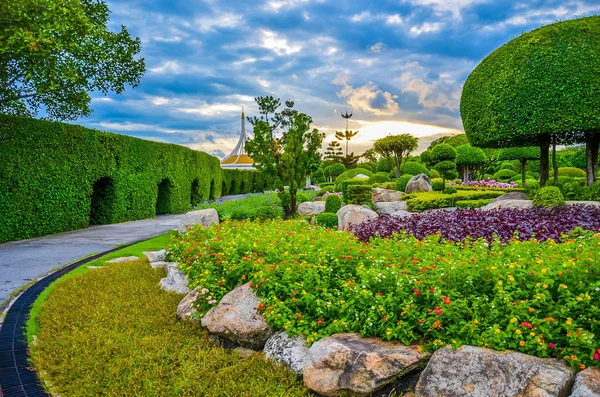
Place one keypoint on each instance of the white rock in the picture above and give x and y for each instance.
(386, 195)
(176, 281)
(508, 204)
(402, 214)
(572, 203)
(311, 208)
(165, 265)
(388, 208)
(361, 176)
(123, 259)
(205, 218)
(419, 183)
(185, 309)
(292, 352)
(587, 383)
(354, 215)
(155, 256)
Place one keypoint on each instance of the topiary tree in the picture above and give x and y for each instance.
(384, 165)
(443, 155)
(415, 168)
(426, 158)
(523, 154)
(467, 158)
(333, 203)
(541, 87)
(333, 171)
(397, 147)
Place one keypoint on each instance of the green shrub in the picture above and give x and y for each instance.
(350, 174)
(360, 194)
(326, 185)
(244, 208)
(328, 220)
(419, 202)
(304, 196)
(333, 203)
(434, 174)
(334, 170)
(450, 190)
(386, 185)
(344, 187)
(472, 203)
(548, 196)
(402, 181)
(595, 192)
(570, 171)
(415, 168)
(379, 177)
(437, 184)
(503, 175)
(511, 165)
(325, 190)
(366, 166)
(385, 165)
(264, 213)
(56, 177)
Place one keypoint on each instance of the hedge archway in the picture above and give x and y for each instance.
(211, 194)
(163, 197)
(233, 187)
(102, 201)
(195, 195)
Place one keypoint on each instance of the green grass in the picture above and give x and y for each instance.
(113, 332)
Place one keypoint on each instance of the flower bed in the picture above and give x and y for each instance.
(492, 183)
(461, 224)
(535, 297)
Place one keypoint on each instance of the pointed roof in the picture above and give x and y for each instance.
(238, 157)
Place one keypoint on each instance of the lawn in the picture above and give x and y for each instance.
(113, 331)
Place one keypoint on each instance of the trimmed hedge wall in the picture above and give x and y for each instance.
(56, 177)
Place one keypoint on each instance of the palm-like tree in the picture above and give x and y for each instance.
(345, 135)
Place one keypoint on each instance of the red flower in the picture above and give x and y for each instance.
(596, 356)
(438, 311)
(552, 345)
(384, 319)
(417, 293)
(431, 290)
(320, 321)
(527, 325)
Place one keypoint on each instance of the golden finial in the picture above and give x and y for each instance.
(242, 111)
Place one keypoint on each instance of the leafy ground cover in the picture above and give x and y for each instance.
(535, 297)
(458, 225)
(419, 202)
(113, 331)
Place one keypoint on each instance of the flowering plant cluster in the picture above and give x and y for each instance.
(326, 194)
(539, 298)
(491, 183)
(504, 224)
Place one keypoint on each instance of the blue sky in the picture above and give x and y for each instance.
(398, 65)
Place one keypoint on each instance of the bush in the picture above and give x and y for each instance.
(328, 220)
(244, 208)
(379, 177)
(366, 166)
(437, 184)
(349, 174)
(334, 170)
(434, 174)
(385, 165)
(402, 181)
(81, 175)
(322, 192)
(360, 194)
(333, 203)
(473, 203)
(264, 213)
(415, 168)
(570, 171)
(419, 202)
(450, 190)
(503, 175)
(386, 185)
(326, 185)
(548, 196)
(304, 196)
(344, 187)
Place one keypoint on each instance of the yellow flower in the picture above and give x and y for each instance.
(569, 321)
(513, 320)
(499, 282)
(544, 270)
(579, 298)
(518, 332)
(522, 343)
(532, 334)
(497, 331)
(545, 286)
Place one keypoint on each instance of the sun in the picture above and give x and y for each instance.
(371, 131)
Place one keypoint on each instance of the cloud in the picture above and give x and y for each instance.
(368, 98)
(224, 20)
(425, 28)
(455, 7)
(279, 45)
(377, 48)
(436, 94)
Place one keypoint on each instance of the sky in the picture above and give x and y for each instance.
(398, 66)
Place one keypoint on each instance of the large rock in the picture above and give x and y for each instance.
(123, 259)
(176, 280)
(572, 203)
(477, 372)
(185, 309)
(511, 196)
(292, 352)
(205, 217)
(155, 256)
(388, 208)
(354, 215)
(235, 318)
(386, 195)
(419, 183)
(346, 364)
(311, 208)
(519, 204)
(402, 214)
(587, 383)
(164, 265)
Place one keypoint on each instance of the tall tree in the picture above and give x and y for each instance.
(541, 87)
(370, 155)
(347, 136)
(397, 147)
(54, 52)
(334, 152)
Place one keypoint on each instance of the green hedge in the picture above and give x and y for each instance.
(419, 202)
(57, 177)
(360, 194)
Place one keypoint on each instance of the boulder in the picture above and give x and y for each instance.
(292, 352)
(205, 218)
(524, 204)
(185, 309)
(511, 196)
(419, 183)
(587, 383)
(402, 213)
(354, 215)
(176, 281)
(388, 208)
(572, 203)
(155, 256)
(311, 208)
(165, 265)
(123, 259)
(235, 318)
(478, 372)
(361, 176)
(346, 364)
(386, 195)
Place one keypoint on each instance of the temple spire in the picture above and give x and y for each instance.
(238, 157)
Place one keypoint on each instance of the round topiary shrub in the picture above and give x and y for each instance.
(434, 174)
(573, 172)
(268, 212)
(415, 168)
(402, 181)
(384, 165)
(450, 190)
(327, 220)
(548, 196)
(437, 184)
(379, 177)
(503, 175)
(333, 203)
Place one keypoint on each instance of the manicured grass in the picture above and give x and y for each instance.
(113, 331)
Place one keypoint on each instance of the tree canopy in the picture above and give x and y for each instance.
(443, 156)
(540, 87)
(397, 147)
(452, 140)
(467, 158)
(53, 53)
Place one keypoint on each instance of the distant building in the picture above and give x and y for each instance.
(238, 158)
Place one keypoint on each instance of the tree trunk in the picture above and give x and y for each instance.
(308, 183)
(523, 172)
(544, 141)
(554, 165)
(397, 166)
(592, 142)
